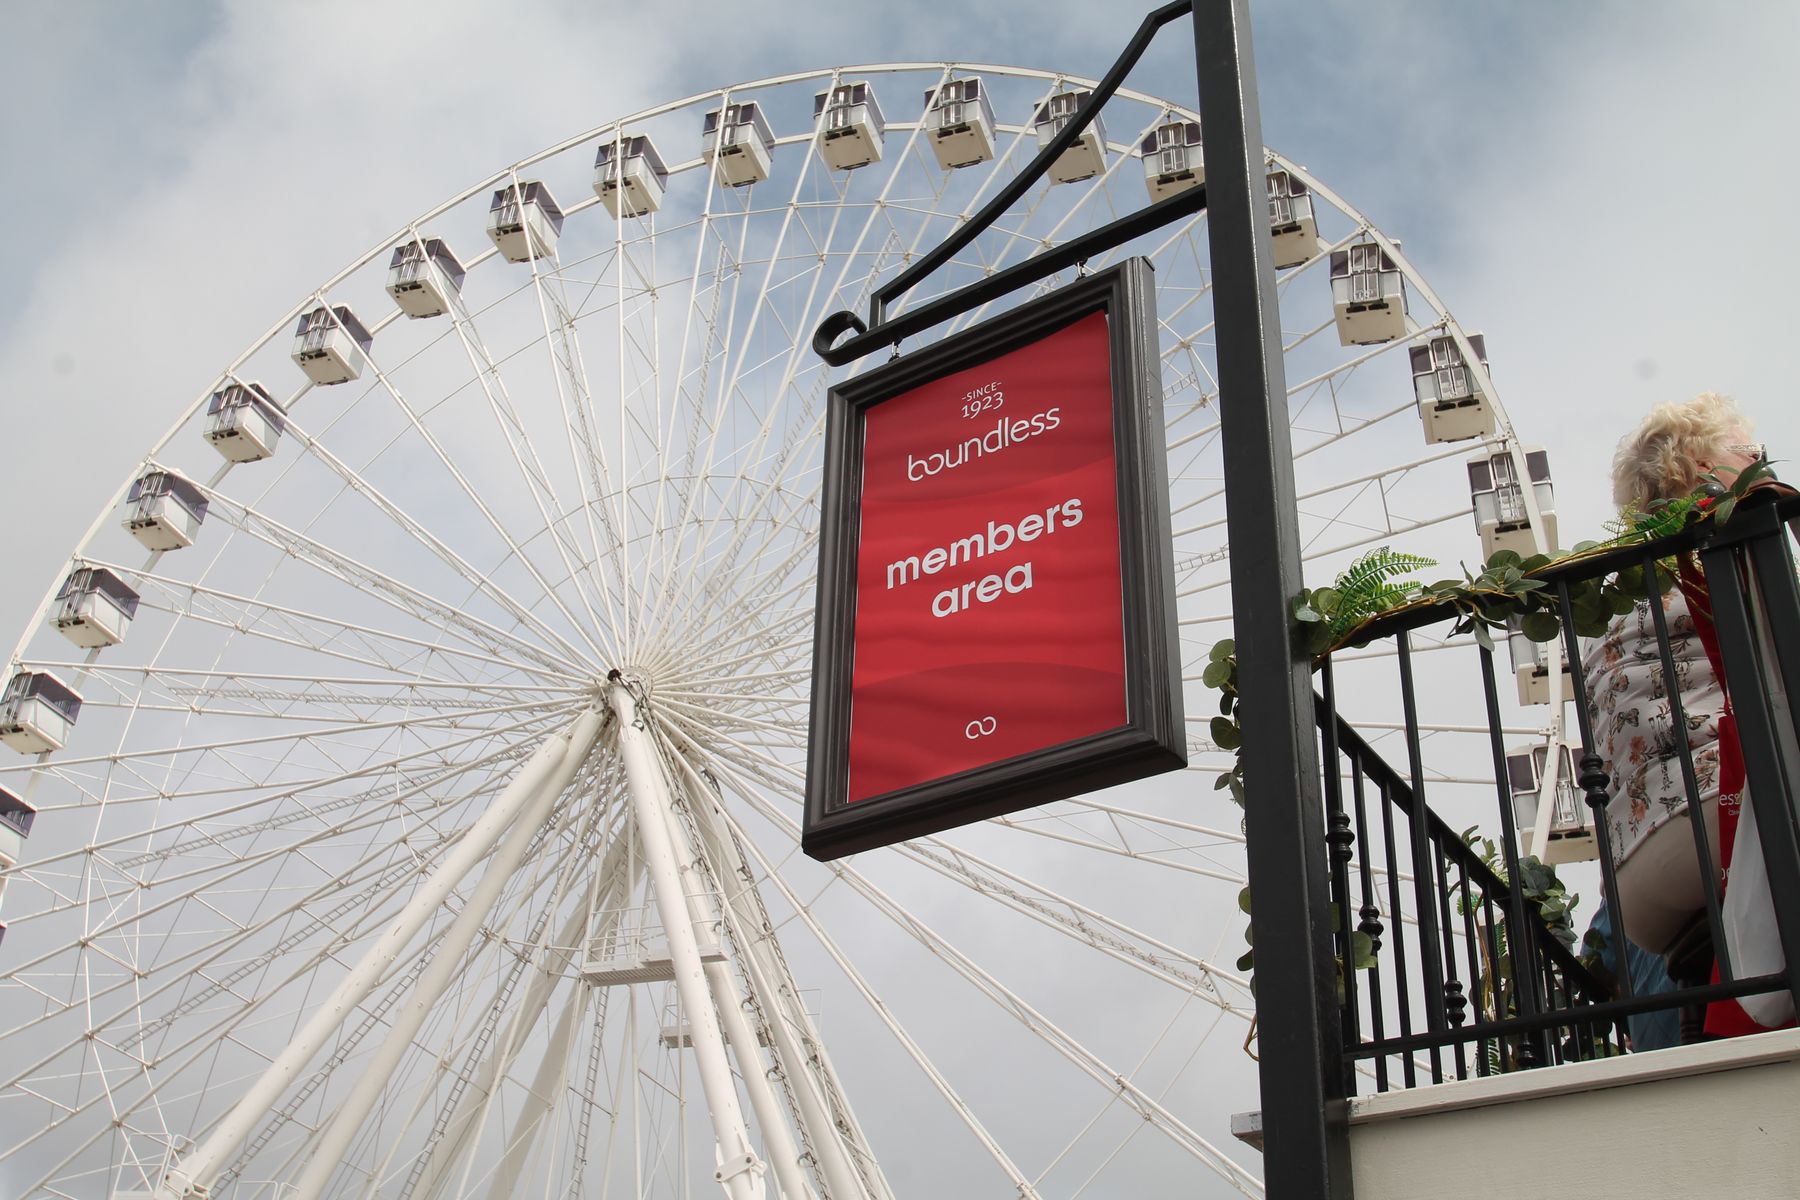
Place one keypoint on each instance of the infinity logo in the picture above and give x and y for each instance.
(980, 728)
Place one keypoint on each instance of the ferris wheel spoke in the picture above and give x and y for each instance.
(1127, 1092)
(377, 584)
(356, 891)
(269, 793)
(712, 346)
(1044, 827)
(439, 998)
(307, 802)
(530, 467)
(793, 570)
(483, 580)
(587, 454)
(476, 1090)
(1096, 187)
(872, 998)
(827, 1128)
(1138, 816)
(199, 1046)
(287, 1114)
(714, 718)
(752, 703)
(1085, 925)
(454, 720)
(1328, 439)
(525, 792)
(1005, 162)
(259, 695)
(316, 633)
(169, 897)
(748, 639)
(791, 574)
(1139, 1101)
(1134, 1098)
(486, 1064)
(1329, 380)
(214, 874)
(1370, 536)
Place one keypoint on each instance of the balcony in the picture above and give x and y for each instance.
(1487, 1031)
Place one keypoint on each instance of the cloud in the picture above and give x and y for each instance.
(1601, 189)
(1622, 239)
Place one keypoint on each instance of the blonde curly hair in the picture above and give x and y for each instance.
(1676, 444)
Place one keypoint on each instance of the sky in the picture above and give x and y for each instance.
(1601, 189)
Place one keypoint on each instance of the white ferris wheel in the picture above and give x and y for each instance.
(404, 779)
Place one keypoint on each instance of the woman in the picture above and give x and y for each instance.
(1662, 885)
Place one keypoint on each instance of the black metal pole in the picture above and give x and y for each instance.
(1306, 1154)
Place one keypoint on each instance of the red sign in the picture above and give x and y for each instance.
(989, 602)
(996, 619)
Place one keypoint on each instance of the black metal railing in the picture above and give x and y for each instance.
(1450, 966)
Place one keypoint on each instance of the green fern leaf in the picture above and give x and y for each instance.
(1371, 585)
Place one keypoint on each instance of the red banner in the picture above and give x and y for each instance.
(989, 600)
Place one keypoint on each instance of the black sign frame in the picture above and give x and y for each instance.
(1153, 738)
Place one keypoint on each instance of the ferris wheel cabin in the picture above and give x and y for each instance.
(1172, 159)
(16, 816)
(959, 123)
(1368, 296)
(629, 176)
(37, 712)
(1293, 231)
(1451, 404)
(850, 126)
(423, 276)
(243, 422)
(737, 144)
(1500, 512)
(1531, 665)
(330, 345)
(1087, 157)
(163, 511)
(524, 221)
(1571, 837)
(94, 608)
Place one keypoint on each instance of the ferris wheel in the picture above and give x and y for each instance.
(411, 754)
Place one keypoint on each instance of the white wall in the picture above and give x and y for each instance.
(1716, 1120)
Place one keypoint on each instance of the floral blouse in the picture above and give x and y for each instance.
(1634, 729)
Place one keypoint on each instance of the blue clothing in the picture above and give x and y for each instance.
(1649, 977)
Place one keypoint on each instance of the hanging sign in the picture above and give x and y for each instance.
(996, 618)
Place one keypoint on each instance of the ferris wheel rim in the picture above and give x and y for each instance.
(413, 229)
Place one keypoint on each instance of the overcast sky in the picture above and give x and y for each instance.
(1603, 189)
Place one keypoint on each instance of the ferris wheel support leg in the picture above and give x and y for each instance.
(784, 1156)
(545, 1087)
(465, 1125)
(740, 1171)
(347, 1120)
(192, 1177)
(770, 979)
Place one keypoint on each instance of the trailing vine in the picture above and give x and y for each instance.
(1339, 616)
